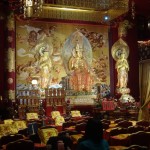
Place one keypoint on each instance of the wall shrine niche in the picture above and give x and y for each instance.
(40, 52)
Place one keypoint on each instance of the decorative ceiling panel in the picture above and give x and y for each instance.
(80, 14)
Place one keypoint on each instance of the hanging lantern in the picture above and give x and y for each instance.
(29, 3)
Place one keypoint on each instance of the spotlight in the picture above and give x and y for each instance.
(106, 18)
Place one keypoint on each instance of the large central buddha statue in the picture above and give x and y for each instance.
(80, 78)
(77, 60)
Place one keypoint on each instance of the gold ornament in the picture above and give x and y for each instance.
(11, 60)
(118, 48)
(10, 80)
(11, 22)
(123, 26)
(11, 94)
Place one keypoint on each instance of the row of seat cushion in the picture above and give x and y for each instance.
(138, 138)
(59, 119)
(12, 128)
(46, 133)
(10, 138)
(128, 130)
(143, 123)
(20, 145)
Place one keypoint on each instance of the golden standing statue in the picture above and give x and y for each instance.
(122, 67)
(45, 67)
(120, 53)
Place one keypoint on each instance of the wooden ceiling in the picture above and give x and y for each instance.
(142, 7)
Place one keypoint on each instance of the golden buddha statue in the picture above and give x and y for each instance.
(80, 79)
(77, 60)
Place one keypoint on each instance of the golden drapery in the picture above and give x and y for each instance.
(144, 78)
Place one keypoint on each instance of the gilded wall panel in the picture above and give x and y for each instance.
(39, 51)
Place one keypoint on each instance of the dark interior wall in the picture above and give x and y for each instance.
(133, 83)
(143, 29)
(2, 37)
(3, 40)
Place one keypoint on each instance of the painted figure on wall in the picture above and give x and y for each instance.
(45, 66)
(40, 57)
(60, 40)
(122, 67)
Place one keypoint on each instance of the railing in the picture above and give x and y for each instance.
(91, 4)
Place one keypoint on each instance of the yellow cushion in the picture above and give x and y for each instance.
(45, 134)
(120, 136)
(117, 147)
(8, 121)
(1, 131)
(31, 116)
(20, 124)
(14, 128)
(76, 137)
(75, 113)
(5, 129)
(59, 120)
(55, 114)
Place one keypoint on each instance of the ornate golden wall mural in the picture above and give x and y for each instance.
(39, 49)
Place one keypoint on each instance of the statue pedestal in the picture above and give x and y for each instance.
(83, 103)
(125, 98)
(81, 99)
(123, 90)
(125, 95)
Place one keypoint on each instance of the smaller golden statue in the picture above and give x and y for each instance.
(120, 53)
(45, 65)
(122, 67)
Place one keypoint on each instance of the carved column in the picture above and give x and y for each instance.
(10, 58)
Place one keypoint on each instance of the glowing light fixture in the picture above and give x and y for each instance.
(34, 82)
(29, 3)
(106, 18)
